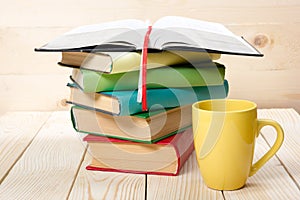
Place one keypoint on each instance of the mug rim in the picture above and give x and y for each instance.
(252, 107)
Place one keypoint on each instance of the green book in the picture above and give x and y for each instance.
(165, 77)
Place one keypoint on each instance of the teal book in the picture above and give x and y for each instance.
(164, 77)
(124, 103)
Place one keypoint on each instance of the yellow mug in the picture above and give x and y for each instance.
(224, 138)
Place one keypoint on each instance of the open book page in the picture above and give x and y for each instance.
(123, 33)
(189, 34)
(129, 24)
(187, 23)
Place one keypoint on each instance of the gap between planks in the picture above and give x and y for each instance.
(23, 134)
(106, 185)
(289, 152)
(77, 172)
(47, 168)
(20, 155)
(282, 163)
(279, 158)
(278, 178)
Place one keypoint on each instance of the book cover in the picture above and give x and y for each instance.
(164, 77)
(165, 157)
(124, 103)
(168, 33)
(120, 62)
(144, 128)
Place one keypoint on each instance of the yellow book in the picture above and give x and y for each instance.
(120, 62)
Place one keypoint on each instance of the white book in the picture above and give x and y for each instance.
(168, 33)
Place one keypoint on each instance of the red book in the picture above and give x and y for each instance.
(165, 157)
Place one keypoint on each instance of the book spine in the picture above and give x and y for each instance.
(183, 148)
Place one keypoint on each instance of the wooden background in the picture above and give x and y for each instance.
(33, 81)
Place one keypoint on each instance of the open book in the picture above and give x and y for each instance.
(168, 33)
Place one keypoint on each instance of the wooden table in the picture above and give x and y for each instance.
(42, 157)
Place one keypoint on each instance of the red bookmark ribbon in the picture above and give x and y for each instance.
(144, 69)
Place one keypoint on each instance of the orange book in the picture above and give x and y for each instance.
(165, 157)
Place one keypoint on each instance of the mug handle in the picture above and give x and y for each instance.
(278, 142)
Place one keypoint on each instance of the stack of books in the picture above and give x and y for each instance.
(121, 136)
(104, 84)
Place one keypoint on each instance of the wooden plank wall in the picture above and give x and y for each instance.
(33, 81)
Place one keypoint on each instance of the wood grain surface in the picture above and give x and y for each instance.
(272, 27)
(52, 164)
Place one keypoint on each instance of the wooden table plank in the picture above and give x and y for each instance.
(48, 167)
(107, 185)
(271, 182)
(289, 154)
(187, 185)
(17, 129)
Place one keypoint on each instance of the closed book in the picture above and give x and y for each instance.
(124, 103)
(120, 62)
(163, 77)
(147, 127)
(165, 157)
